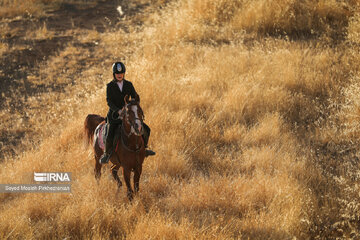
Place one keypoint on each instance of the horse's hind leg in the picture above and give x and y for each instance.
(97, 169)
(114, 172)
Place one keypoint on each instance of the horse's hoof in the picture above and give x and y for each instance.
(130, 196)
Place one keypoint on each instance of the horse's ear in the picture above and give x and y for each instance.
(137, 98)
(126, 99)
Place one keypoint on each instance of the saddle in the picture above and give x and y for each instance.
(101, 133)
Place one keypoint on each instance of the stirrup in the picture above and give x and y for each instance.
(149, 153)
(104, 158)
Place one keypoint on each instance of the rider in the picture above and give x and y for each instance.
(116, 90)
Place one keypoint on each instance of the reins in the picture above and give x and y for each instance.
(127, 135)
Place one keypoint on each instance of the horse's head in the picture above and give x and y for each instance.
(133, 115)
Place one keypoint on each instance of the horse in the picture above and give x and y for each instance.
(130, 149)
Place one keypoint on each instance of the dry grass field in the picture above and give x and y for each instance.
(254, 108)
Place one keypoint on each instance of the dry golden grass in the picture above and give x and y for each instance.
(40, 33)
(3, 48)
(256, 136)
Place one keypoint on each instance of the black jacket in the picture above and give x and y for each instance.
(115, 98)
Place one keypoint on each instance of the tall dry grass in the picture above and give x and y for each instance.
(256, 133)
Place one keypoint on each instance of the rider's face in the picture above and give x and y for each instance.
(119, 76)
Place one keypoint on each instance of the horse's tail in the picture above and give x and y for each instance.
(90, 124)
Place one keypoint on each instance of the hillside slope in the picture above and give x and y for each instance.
(254, 114)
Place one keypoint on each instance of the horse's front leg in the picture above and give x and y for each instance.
(137, 175)
(126, 173)
(114, 172)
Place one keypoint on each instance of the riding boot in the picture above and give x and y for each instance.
(107, 153)
(145, 137)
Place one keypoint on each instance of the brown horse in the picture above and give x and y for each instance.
(130, 149)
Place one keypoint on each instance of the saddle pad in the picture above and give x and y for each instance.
(101, 132)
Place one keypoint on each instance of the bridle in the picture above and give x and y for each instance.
(133, 127)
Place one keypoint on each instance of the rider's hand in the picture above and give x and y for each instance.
(120, 113)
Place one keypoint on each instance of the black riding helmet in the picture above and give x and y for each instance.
(118, 67)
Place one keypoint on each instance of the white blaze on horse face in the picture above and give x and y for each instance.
(137, 120)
